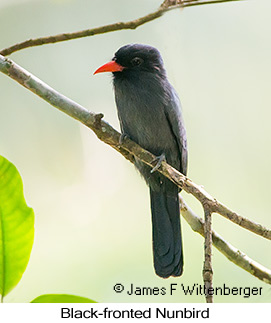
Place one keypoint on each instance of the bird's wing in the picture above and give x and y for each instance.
(174, 116)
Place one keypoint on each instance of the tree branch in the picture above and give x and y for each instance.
(128, 148)
(133, 24)
(234, 255)
(207, 266)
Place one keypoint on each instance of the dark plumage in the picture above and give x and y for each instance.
(149, 111)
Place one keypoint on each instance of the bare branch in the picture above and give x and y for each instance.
(207, 267)
(128, 148)
(234, 255)
(107, 28)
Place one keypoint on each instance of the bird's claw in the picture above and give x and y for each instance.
(159, 161)
(123, 136)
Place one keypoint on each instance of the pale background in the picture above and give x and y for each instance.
(92, 211)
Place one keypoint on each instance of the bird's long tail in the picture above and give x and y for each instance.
(166, 232)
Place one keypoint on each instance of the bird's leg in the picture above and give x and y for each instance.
(123, 136)
(159, 161)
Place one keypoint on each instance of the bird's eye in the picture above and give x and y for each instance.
(136, 61)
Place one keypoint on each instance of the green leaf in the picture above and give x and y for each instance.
(16, 227)
(61, 298)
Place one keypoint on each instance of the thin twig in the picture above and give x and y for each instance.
(107, 28)
(207, 266)
(234, 255)
(128, 148)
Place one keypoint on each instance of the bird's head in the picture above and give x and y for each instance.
(134, 58)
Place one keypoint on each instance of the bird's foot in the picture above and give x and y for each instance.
(158, 161)
(123, 136)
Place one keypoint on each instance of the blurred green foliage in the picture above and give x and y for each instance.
(16, 228)
(61, 298)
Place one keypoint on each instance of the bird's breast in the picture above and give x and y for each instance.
(141, 110)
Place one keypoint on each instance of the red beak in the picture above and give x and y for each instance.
(109, 67)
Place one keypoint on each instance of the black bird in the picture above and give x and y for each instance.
(149, 112)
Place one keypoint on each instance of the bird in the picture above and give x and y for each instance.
(150, 114)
